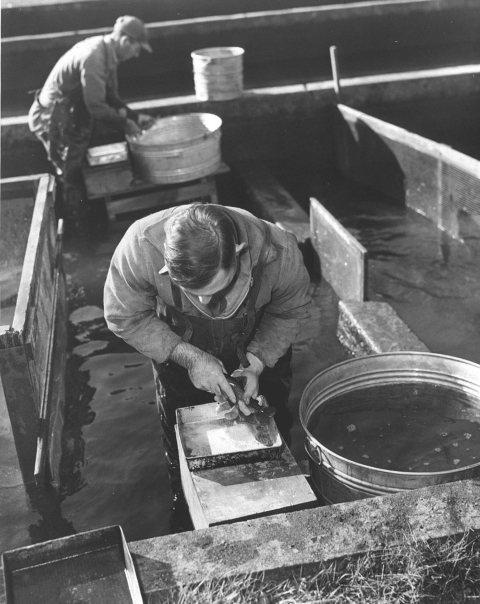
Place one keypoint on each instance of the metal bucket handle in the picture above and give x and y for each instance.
(314, 452)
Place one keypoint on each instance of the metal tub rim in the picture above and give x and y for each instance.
(398, 480)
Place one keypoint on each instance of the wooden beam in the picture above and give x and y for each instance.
(272, 201)
(343, 260)
(431, 178)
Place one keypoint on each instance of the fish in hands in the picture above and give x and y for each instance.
(241, 409)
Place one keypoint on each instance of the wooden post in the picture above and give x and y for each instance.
(335, 73)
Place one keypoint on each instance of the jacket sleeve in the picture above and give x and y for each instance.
(94, 77)
(130, 298)
(288, 310)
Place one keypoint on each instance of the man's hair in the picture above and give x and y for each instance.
(199, 242)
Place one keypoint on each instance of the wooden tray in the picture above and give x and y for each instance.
(95, 567)
(210, 441)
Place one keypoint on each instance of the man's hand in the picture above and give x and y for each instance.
(145, 121)
(252, 375)
(205, 371)
(132, 129)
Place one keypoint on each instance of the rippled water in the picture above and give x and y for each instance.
(114, 470)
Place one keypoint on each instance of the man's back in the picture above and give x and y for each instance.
(65, 79)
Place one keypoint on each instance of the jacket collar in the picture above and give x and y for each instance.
(250, 230)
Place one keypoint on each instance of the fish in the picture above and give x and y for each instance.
(263, 429)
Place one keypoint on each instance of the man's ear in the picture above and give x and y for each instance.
(239, 247)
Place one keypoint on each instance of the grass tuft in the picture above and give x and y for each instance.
(443, 571)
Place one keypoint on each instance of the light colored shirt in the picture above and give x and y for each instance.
(87, 71)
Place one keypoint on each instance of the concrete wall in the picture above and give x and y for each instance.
(286, 121)
(284, 46)
(39, 16)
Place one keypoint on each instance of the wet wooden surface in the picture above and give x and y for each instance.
(239, 492)
(343, 260)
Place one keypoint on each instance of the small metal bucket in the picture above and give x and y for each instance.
(340, 479)
(218, 73)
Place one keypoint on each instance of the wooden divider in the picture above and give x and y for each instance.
(429, 177)
(343, 260)
(33, 342)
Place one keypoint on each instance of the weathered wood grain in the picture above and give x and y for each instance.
(343, 260)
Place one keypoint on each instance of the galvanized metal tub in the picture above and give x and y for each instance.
(178, 148)
(218, 73)
(341, 479)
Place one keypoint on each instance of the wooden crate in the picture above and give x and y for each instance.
(32, 328)
(226, 494)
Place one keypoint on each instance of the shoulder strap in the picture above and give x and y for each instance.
(249, 315)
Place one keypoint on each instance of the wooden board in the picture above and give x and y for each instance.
(272, 201)
(233, 493)
(36, 337)
(428, 177)
(343, 260)
(157, 200)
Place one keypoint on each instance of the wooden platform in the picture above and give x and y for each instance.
(116, 185)
(240, 492)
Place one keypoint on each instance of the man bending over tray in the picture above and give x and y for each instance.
(81, 89)
(205, 290)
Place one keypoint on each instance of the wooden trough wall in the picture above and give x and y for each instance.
(282, 46)
(33, 344)
(429, 177)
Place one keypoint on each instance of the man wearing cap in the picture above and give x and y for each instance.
(81, 89)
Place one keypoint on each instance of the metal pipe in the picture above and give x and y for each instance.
(334, 62)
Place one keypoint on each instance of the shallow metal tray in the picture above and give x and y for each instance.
(94, 567)
(107, 154)
(211, 441)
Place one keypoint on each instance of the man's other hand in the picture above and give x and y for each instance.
(145, 121)
(132, 129)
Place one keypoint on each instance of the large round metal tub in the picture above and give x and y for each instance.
(447, 423)
(178, 148)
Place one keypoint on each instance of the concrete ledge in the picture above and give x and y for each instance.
(373, 327)
(277, 544)
(252, 122)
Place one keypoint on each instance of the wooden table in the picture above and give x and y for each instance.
(116, 186)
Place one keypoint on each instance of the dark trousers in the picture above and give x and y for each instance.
(66, 143)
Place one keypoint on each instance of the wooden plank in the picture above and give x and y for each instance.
(117, 180)
(31, 260)
(107, 180)
(428, 177)
(22, 409)
(343, 259)
(56, 416)
(240, 492)
(47, 410)
(272, 201)
(159, 199)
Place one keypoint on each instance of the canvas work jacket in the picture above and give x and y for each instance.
(138, 288)
(86, 75)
